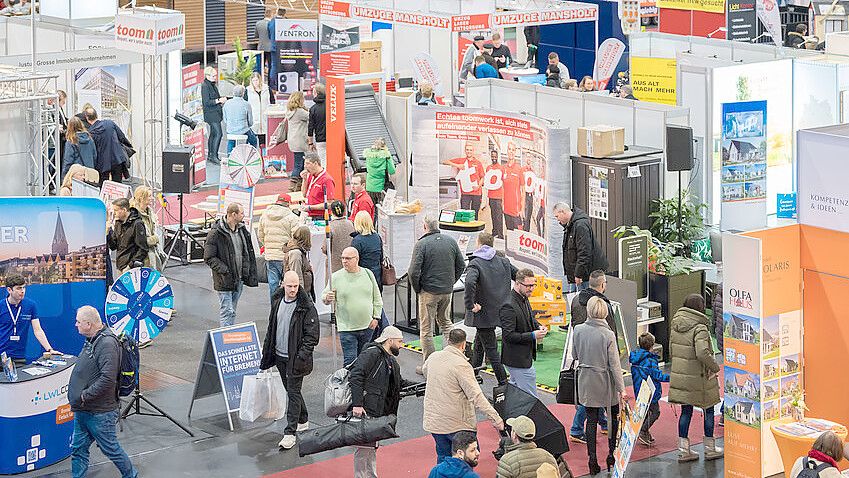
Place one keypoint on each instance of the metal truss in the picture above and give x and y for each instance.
(147, 164)
(32, 91)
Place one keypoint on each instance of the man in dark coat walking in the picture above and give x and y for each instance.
(520, 332)
(213, 112)
(127, 235)
(317, 124)
(228, 251)
(292, 335)
(109, 141)
(488, 278)
(581, 252)
(376, 385)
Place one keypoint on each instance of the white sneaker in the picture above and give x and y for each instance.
(302, 427)
(287, 442)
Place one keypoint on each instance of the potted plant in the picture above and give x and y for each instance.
(244, 67)
(691, 236)
(671, 278)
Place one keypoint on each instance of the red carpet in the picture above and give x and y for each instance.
(415, 457)
(265, 188)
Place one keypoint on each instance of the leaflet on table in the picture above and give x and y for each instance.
(36, 371)
(798, 429)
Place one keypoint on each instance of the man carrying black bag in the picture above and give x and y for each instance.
(376, 385)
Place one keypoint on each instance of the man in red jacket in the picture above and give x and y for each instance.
(316, 181)
(362, 200)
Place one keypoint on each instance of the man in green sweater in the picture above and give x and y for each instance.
(358, 304)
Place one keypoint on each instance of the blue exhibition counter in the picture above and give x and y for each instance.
(36, 422)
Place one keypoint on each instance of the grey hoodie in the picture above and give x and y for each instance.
(94, 382)
(488, 284)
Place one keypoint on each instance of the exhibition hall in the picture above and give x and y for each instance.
(442, 239)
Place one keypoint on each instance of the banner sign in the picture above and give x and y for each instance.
(742, 20)
(151, 31)
(632, 428)
(569, 14)
(609, 53)
(823, 196)
(426, 70)
(743, 175)
(786, 207)
(295, 30)
(340, 51)
(296, 54)
(492, 164)
(335, 115)
(232, 193)
(468, 23)
(770, 17)
(237, 353)
(73, 60)
(654, 79)
(197, 140)
(192, 81)
(712, 6)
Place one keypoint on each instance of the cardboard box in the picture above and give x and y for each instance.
(601, 141)
(370, 56)
(546, 307)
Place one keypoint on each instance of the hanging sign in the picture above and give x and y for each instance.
(150, 30)
(609, 53)
(742, 20)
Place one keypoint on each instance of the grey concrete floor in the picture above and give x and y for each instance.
(160, 449)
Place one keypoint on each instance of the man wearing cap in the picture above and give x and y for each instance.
(472, 52)
(452, 394)
(522, 458)
(376, 385)
(274, 233)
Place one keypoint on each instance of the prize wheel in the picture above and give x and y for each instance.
(139, 304)
(244, 166)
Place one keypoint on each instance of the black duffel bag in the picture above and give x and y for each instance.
(348, 431)
(567, 387)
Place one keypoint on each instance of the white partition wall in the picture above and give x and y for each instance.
(644, 123)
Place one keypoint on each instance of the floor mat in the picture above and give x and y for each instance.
(415, 457)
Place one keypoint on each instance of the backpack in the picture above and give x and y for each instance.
(129, 369)
(337, 392)
(811, 469)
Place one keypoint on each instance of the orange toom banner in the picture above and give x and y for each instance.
(336, 133)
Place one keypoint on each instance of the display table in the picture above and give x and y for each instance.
(515, 73)
(792, 446)
(36, 422)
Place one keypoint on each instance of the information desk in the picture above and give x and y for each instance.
(794, 439)
(36, 422)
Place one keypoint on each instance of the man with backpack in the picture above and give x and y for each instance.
(93, 395)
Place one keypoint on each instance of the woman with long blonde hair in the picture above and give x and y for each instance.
(293, 131)
(142, 201)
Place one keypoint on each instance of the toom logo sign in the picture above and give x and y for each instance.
(150, 31)
(295, 30)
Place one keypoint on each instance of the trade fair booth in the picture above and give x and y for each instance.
(785, 296)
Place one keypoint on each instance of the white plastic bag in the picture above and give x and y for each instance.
(255, 397)
(277, 396)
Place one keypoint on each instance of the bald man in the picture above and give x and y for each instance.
(358, 304)
(292, 335)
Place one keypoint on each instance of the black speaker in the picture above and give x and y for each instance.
(679, 148)
(177, 169)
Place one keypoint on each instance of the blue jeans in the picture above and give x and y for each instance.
(275, 273)
(227, 302)
(252, 140)
(687, 415)
(98, 427)
(298, 165)
(443, 445)
(580, 420)
(579, 287)
(524, 378)
(353, 343)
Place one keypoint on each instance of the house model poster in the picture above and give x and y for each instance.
(743, 175)
(762, 326)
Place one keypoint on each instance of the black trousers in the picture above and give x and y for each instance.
(540, 220)
(529, 211)
(115, 174)
(485, 343)
(213, 144)
(470, 201)
(652, 415)
(592, 430)
(512, 222)
(296, 409)
(496, 211)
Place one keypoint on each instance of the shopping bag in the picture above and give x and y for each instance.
(254, 400)
(277, 397)
(346, 432)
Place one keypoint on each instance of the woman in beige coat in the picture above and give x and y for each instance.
(274, 233)
(293, 131)
(600, 383)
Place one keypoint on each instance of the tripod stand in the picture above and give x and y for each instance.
(181, 234)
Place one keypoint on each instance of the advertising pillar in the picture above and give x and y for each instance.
(743, 175)
(335, 161)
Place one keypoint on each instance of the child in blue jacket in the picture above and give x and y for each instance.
(644, 366)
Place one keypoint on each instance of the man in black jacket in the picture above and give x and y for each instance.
(317, 124)
(292, 335)
(581, 252)
(109, 140)
(93, 395)
(376, 385)
(228, 251)
(520, 332)
(487, 290)
(436, 266)
(212, 112)
(127, 235)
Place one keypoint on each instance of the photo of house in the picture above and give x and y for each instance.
(770, 391)
(789, 364)
(743, 384)
(771, 411)
(786, 408)
(743, 152)
(789, 386)
(743, 411)
(742, 328)
(731, 192)
(769, 340)
(770, 369)
(755, 189)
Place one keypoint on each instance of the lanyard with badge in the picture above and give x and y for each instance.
(14, 337)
